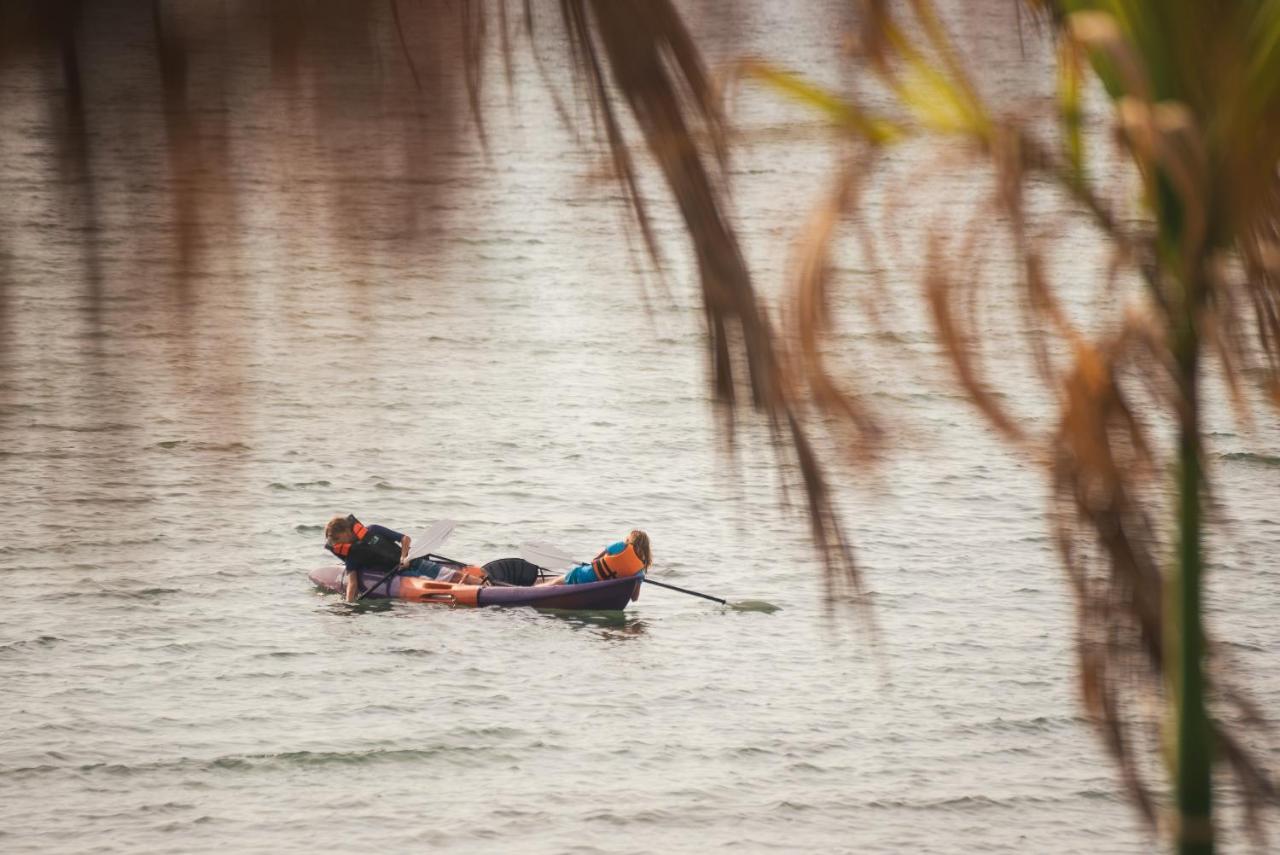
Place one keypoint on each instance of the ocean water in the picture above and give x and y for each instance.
(470, 334)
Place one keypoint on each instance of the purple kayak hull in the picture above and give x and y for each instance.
(611, 595)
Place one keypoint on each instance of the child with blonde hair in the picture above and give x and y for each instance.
(625, 558)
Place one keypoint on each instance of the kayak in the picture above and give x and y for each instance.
(610, 595)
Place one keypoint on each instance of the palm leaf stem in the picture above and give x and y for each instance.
(1185, 643)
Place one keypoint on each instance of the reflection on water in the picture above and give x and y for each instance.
(617, 624)
(342, 608)
(620, 624)
(754, 606)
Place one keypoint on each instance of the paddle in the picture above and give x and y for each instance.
(420, 546)
(436, 534)
(552, 558)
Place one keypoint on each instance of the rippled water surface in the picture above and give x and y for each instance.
(173, 683)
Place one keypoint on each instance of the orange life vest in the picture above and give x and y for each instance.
(618, 566)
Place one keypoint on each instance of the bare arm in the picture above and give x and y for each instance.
(404, 549)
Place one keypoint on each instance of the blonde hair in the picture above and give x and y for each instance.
(337, 527)
(640, 542)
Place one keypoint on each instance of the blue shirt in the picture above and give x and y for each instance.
(584, 573)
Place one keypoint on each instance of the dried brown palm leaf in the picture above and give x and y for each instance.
(1102, 465)
(1100, 447)
(957, 340)
(1261, 260)
(641, 53)
(811, 320)
(182, 148)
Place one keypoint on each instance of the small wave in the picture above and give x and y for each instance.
(298, 485)
(223, 447)
(97, 501)
(29, 643)
(162, 809)
(103, 427)
(215, 447)
(49, 454)
(342, 758)
(117, 594)
(653, 816)
(285, 654)
(966, 802)
(145, 593)
(1097, 795)
(127, 541)
(1250, 457)
(250, 762)
(308, 529)
(793, 807)
(1036, 724)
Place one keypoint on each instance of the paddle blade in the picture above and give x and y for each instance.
(431, 539)
(546, 556)
(754, 606)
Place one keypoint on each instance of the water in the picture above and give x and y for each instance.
(482, 352)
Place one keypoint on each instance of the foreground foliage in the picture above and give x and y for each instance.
(1192, 90)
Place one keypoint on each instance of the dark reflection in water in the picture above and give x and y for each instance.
(164, 125)
(341, 608)
(162, 159)
(159, 162)
(175, 153)
(616, 624)
(613, 624)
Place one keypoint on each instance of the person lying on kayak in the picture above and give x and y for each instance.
(626, 558)
(378, 549)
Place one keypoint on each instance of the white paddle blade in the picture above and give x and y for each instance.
(431, 539)
(547, 556)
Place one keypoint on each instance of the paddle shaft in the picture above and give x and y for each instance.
(398, 569)
(687, 591)
(434, 536)
(547, 555)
